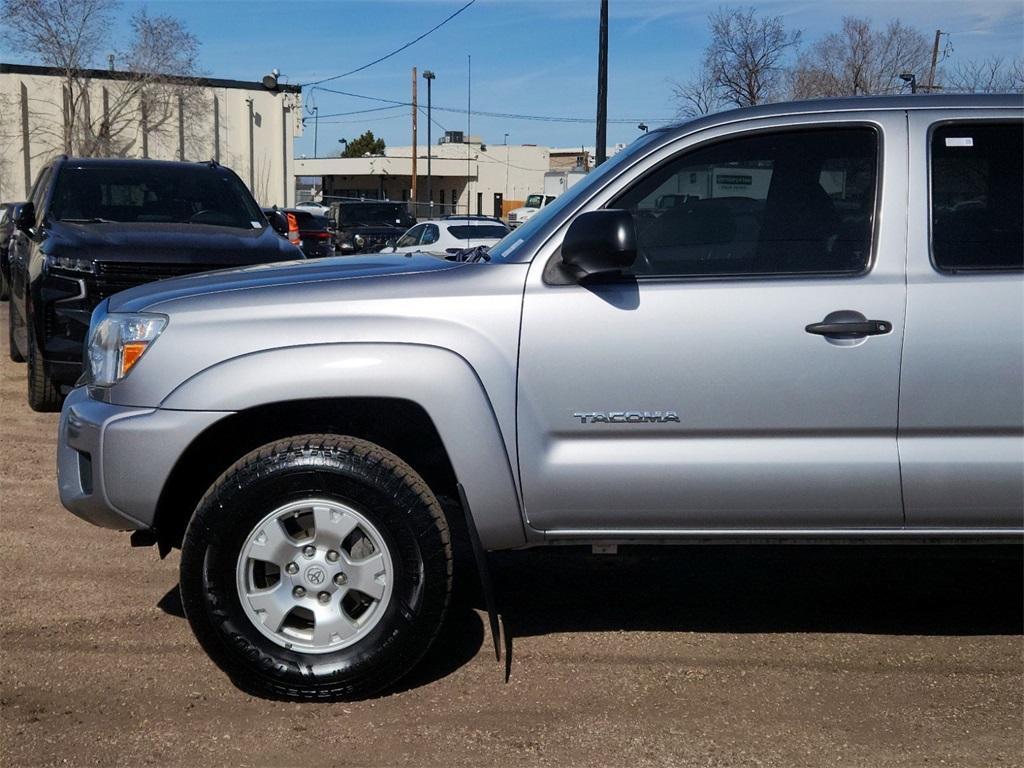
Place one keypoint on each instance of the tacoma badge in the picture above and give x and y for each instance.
(627, 417)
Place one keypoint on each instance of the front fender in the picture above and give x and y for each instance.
(440, 381)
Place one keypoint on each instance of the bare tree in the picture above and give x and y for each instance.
(152, 93)
(697, 96)
(992, 75)
(860, 60)
(745, 56)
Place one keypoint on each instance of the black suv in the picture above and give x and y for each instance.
(365, 226)
(94, 227)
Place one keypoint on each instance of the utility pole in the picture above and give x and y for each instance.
(415, 149)
(602, 88)
(935, 60)
(429, 77)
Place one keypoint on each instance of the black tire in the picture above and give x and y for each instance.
(43, 394)
(389, 494)
(12, 347)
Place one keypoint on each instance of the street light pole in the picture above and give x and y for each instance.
(506, 167)
(316, 128)
(429, 77)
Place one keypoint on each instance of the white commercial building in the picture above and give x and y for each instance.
(245, 126)
(465, 176)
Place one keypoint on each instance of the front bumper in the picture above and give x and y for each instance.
(113, 461)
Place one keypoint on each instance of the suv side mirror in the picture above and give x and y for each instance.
(25, 216)
(600, 243)
(391, 243)
(278, 222)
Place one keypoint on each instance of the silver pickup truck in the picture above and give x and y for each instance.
(794, 322)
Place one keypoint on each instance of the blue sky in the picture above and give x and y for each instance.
(534, 57)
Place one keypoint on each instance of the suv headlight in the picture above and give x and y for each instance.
(68, 264)
(117, 342)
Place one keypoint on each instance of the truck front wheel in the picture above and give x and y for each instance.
(317, 567)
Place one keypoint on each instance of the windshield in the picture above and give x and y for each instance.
(154, 193)
(507, 249)
(387, 214)
(534, 201)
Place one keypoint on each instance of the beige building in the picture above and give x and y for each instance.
(243, 125)
(466, 177)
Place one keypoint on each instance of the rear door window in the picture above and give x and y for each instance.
(977, 196)
(430, 234)
(477, 231)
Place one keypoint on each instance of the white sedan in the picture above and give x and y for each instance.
(445, 237)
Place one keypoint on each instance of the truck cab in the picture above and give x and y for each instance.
(532, 204)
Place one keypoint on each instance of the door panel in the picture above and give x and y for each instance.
(777, 427)
(962, 396)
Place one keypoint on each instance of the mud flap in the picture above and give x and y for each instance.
(486, 583)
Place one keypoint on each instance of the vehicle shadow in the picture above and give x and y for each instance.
(892, 590)
(898, 590)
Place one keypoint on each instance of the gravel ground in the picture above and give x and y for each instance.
(720, 656)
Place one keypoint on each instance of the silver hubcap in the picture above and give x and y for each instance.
(314, 576)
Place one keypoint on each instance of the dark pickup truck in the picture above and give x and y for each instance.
(94, 227)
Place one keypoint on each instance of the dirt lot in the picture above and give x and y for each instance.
(721, 656)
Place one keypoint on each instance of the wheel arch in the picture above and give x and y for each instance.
(425, 404)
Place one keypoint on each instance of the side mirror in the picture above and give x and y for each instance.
(278, 222)
(391, 243)
(600, 243)
(25, 216)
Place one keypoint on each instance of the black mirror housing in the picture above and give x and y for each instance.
(600, 243)
(25, 216)
(278, 222)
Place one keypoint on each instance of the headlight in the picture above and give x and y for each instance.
(69, 264)
(359, 241)
(116, 344)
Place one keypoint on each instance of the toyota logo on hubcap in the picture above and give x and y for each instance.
(316, 575)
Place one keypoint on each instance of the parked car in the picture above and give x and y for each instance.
(6, 228)
(309, 231)
(831, 354)
(447, 236)
(318, 209)
(364, 226)
(532, 204)
(94, 227)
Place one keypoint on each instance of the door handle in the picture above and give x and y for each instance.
(850, 328)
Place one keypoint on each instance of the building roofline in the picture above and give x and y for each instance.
(108, 74)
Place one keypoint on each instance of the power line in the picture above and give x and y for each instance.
(393, 53)
(371, 121)
(353, 112)
(502, 115)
